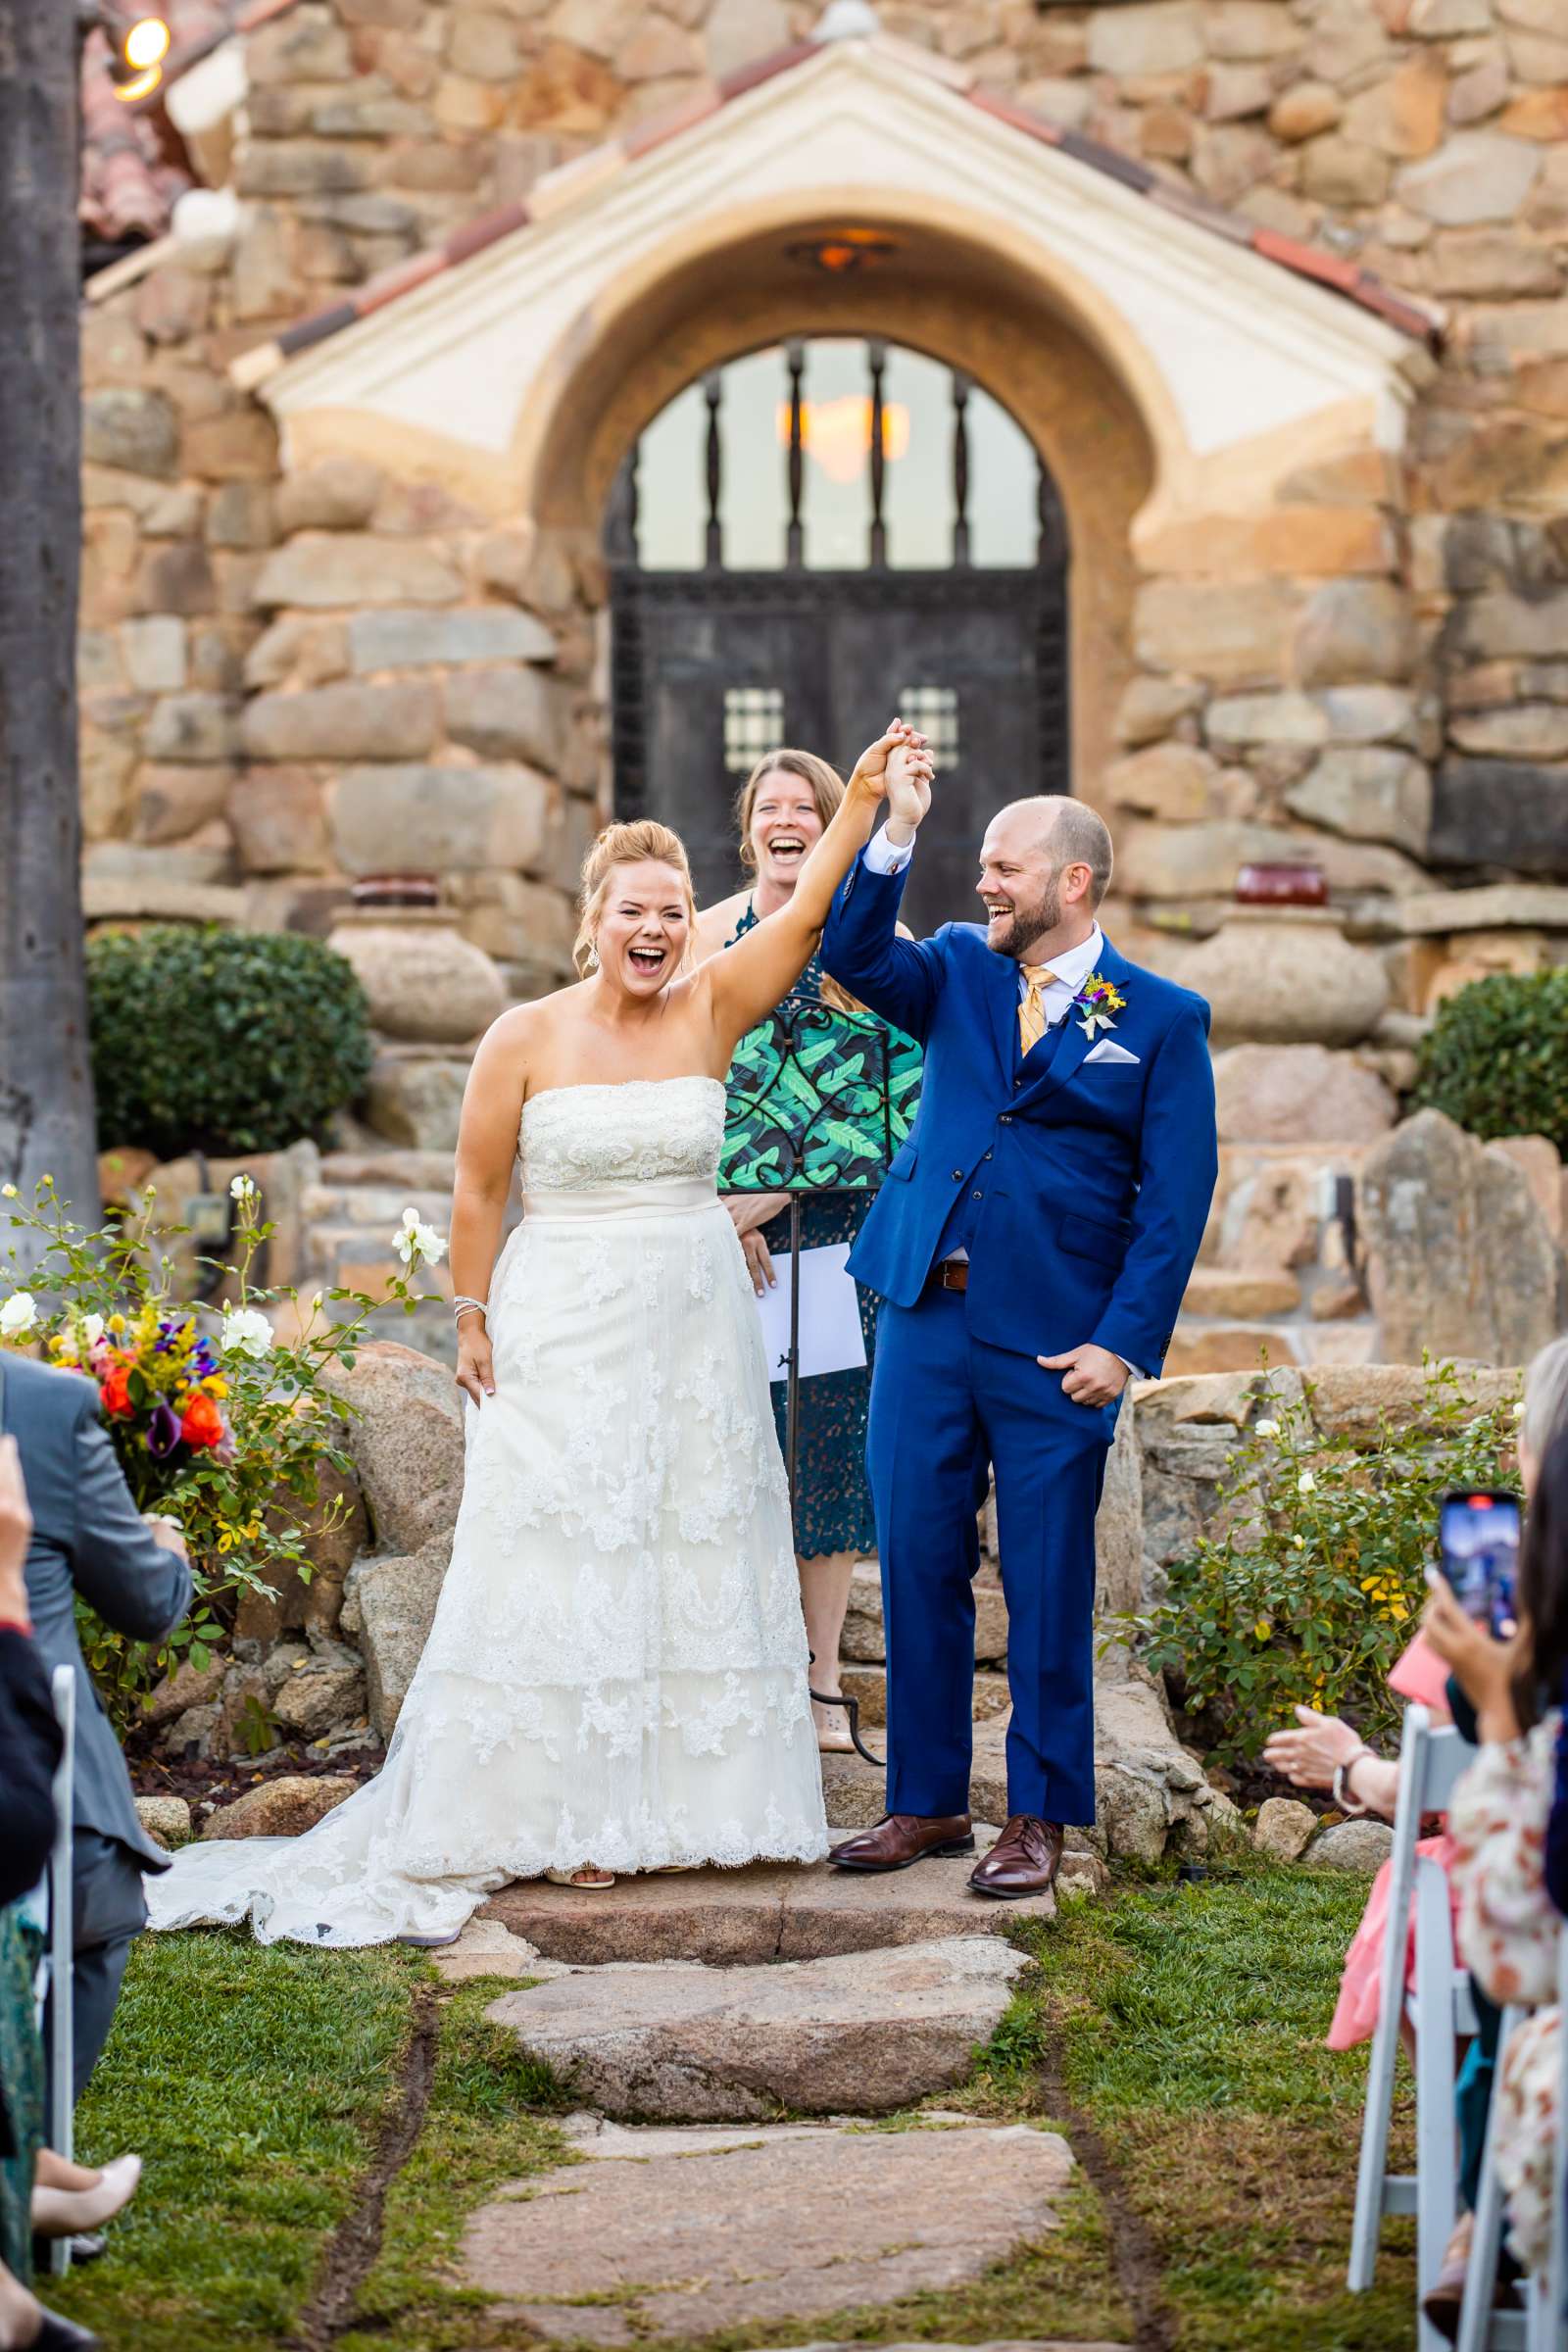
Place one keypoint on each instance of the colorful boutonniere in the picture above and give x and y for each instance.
(1097, 1000)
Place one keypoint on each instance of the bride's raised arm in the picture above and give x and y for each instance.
(750, 979)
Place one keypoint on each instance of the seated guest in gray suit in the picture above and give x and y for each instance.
(89, 1537)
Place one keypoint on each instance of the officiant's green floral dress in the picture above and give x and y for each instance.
(814, 1073)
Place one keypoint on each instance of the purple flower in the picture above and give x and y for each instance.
(162, 1432)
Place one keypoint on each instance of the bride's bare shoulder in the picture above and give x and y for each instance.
(515, 1037)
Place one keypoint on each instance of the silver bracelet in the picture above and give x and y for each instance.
(1342, 1793)
(462, 1306)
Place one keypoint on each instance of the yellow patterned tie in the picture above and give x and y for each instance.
(1031, 1009)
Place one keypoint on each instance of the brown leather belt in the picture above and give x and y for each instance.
(949, 1274)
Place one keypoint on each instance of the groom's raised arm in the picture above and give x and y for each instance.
(864, 951)
(1178, 1168)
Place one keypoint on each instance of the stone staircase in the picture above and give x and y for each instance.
(750, 2024)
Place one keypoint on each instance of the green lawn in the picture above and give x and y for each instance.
(1175, 2032)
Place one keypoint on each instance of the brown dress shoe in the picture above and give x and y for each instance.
(902, 1839)
(1023, 1861)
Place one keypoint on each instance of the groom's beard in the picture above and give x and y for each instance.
(1029, 920)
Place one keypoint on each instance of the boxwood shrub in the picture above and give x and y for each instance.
(1496, 1058)
(219, 1041)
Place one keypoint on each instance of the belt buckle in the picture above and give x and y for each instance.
(955, 1274)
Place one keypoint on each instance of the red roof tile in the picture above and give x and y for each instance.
(131, 171)
(129, 186)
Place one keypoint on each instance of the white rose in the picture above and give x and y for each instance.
(1266, 1429)
(91, 1327)
(18, 1315)
(1307, 1484)
(414, 1239)
(242, 1187)
(246, 1332)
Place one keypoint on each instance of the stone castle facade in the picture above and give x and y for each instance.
(1276, 286)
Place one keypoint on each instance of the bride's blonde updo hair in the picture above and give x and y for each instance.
(626, 845)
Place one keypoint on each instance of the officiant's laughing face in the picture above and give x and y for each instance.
(645, 927)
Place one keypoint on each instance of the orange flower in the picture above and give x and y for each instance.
(115, 1390)
(203, 1424)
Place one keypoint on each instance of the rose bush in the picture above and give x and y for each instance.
(1315, 1580)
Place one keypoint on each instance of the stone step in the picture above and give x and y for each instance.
(865, 1641)
(869, 1684)
(870, 2032)
(665, 2233)
(392, 1170)
(766, 1912)
(374, 1206)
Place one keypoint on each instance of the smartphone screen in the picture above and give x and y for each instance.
(1480, 1539)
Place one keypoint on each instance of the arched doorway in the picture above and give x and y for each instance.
(808, 538)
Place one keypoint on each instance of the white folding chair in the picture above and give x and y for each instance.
(1542, 2327)
(1431, 1760)
(63, 2057)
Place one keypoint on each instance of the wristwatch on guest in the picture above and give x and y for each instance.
(1342, 1794)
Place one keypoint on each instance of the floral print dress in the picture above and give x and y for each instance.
(1508, 1932)
(813, 1073)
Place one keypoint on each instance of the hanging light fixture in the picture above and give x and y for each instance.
(138, 63)
(843, 250)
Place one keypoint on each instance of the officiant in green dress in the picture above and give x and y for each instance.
(838, 1056)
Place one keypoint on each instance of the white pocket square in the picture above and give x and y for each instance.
(1106, 1050)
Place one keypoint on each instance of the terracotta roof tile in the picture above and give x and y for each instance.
(1008, 110)
(477, 234)
(316, 329)
(131, 176)
(671, 120)
(763, 69)
(570, 181)
(1172, 197)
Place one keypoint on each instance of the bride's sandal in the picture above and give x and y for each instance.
(585, 1877)
(832, 1725)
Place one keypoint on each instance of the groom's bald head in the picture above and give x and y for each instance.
(1064, 831)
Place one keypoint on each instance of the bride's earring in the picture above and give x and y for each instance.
(591, 960)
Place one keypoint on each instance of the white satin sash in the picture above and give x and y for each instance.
(670, 1195)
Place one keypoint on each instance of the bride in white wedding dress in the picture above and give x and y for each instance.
(616, 1675)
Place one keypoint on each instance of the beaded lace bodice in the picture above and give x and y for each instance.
(645, 1131)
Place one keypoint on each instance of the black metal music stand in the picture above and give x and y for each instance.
(816, 1122)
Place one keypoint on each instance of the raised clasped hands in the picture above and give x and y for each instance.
(898, 769)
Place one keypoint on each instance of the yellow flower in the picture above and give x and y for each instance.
(1398, 1612)
(217, 1385)
(1263, 1629)
(117, 1324)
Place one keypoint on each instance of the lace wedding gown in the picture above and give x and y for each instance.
(618, 1668)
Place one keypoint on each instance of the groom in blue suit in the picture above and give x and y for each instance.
(1031, 1247)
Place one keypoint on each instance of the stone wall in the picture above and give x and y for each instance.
(293, 680)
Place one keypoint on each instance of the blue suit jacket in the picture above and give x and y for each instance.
(88, 1540)
(1095, 1178)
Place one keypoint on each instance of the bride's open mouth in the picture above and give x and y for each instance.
(648, 961)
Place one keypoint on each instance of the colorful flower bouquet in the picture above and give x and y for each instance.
(159, 1382)
(223, 1418)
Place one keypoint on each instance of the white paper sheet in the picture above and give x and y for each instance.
(830, 1335)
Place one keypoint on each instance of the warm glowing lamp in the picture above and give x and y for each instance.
(138, 68)
(147, 43)
(837, 434)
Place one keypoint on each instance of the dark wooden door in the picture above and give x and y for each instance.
(713, 667)
(712, 672)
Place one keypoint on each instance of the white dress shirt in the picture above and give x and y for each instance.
(1071, 968)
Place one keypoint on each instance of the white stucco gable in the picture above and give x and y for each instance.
(1218, 345)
